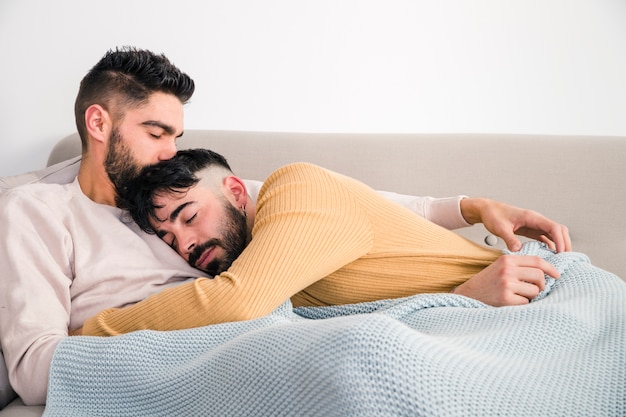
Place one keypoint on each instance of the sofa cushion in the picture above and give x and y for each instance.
(61, 173)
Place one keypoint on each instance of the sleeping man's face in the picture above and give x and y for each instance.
(203, 227)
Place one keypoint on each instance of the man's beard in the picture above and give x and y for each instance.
(233, 241)
(120, 165)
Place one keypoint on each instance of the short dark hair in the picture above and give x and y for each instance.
(174, 176)
(129, 76)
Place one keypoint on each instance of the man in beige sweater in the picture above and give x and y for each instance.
(313, 236)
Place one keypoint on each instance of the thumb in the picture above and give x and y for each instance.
(512, 242)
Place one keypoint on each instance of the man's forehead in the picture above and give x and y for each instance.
(170, 199)
(160, 110)
(168, 128)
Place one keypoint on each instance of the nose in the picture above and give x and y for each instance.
(168, 149)
(188, 251)
(187, 243)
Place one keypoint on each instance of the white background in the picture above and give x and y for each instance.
(479, 66)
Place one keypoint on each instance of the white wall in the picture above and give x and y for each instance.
(503, 66)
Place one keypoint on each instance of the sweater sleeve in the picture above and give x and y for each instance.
(307, 226)
(35, 281)
(444, 211)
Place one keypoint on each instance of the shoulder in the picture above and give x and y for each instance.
(301, 172)
(35, 196)
(309, 185)
(298, 178)
(36, 191)
(296, 168)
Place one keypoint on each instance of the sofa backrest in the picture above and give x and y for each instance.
(576, 180)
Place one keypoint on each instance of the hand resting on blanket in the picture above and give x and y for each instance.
(512, 280)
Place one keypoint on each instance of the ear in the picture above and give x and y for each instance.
(98, 122)
(235, 190)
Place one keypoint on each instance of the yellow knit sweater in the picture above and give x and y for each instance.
(319, 238)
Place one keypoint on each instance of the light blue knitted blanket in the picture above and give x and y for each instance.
(427, 355)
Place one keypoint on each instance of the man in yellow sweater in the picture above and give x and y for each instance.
(313, 236)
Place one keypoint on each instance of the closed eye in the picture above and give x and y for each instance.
(165, 237)
(191, 219)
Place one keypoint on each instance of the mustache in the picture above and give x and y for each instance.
(200, 249)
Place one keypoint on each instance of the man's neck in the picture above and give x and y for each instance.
(250, 214)
(95, 184)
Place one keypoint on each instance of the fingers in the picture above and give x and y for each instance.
(76, 332)
(524, 277)
(524, 293)
(554, 234)
(536, 226)
(558, 240)
(548, 242)
(510, 280)
(508, 221)
(562, 239)
(535, 263)
(512, 242)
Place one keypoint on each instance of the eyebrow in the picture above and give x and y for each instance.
(173, 216)
(177, 210)
(168, 129)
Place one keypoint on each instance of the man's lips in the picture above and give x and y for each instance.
(205, 258)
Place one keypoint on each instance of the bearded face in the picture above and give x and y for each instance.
(233, 240)
(120, 164)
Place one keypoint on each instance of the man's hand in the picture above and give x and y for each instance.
(76, 332)
(506, 221)
(510, 280)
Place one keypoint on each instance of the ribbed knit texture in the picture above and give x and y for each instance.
(427, 355)
(323, 239)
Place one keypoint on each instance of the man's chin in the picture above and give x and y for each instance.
(212, 269)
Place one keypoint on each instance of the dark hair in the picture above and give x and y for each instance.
(173, 176)
(129, 76)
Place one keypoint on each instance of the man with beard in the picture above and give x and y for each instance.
(313, 236)
(69, 251)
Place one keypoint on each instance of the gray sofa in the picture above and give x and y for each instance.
(576, 180)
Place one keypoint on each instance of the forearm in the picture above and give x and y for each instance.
(31, 326)
(446, 212)
(29, 377)
(32, 323)
(198, 303)
(258, 282)
(471, 208)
